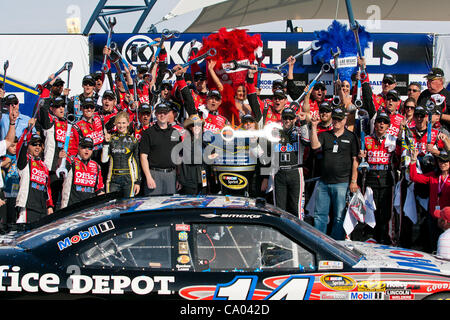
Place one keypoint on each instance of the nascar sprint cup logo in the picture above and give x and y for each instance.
(139, 50)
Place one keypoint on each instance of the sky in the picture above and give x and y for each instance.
(49, 16)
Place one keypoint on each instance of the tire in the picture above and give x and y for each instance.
(439, 296)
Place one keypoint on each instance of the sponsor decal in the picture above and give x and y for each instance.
(182, 227)
(331, 265)
(13, 281)
(183, 259)
(371, 286)
(183, 248)
(366, 295)
(84, 235)
(183, 236)
(338, 282)
(333, 295)
(233, 181)
(232, 215)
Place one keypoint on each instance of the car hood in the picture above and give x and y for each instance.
(383, 256)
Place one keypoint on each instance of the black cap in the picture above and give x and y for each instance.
(214, 93)
(320, 84)
(88, 102)
(145, 108)
(86, 142)
(11, 99)
(279, 93)
(36, 138)
(383, 115)
(97, 75)
(58, 82)
(247, 118)
(142, 68)
(199, 75)
(57, 102)
(166, 83)
(109, 93)
(338, 114)
(278, 84)
(393, 94)
(443, 156)
(325, 107)
(288, 113)
(420, 110)
(435, 73)
(162, 107)
(389, 77)
(88, 79)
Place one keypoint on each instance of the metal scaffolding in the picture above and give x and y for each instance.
(102, 11)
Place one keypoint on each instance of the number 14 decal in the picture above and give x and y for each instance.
(243, 288)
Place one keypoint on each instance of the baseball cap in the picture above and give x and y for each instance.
(87, 142)
(88, 79)
(97, 75)
(247, 118)
(145, 108)
(393, 94)
(279, 93)
(35, 138)
(57, 101)
(420, 110)
(162, 107)
(320, 85)
(142, 68)
(325, 107)
(199, 75)
(214, 93)
(338, 114)
(109, 93)
(390, 78)
(443, 156)
(383, 115)
(278, 84)
(442, 214)
(435, 73)
(288, 113)
(11, 99)
(58, 82)
(166, 83)
(88, 102)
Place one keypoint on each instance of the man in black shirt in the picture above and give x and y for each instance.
(339, 166)
(435, 84)
(156, 147)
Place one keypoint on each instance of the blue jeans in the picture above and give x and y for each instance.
(334, 194)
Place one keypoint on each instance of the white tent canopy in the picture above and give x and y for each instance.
(238, 13)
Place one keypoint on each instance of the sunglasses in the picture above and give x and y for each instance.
(12, 103)
(413, 90)
(288, 118)
(90, 84)
(410, 107)
(86, 147)
(88, 107)
(36, 144)
(382, 121)
(146, 113)
(389, 82)
(319, 88)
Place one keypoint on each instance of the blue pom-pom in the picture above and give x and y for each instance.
(339, 35)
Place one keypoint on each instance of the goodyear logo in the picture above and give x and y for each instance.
(233, 181)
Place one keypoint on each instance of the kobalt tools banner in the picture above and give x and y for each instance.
(408, 56)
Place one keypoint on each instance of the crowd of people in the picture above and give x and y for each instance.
(122, 139)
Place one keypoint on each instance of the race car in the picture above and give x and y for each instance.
(204, 248)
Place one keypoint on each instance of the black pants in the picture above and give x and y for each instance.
(122, 184)
(288, 190)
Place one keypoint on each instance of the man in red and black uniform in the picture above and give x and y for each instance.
(74, 104)
(392, 108)
(109, 109)
(34, 200)
(54, 125)
(84, 177)
(90, 125)
(379, 152)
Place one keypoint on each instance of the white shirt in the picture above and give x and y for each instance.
(443, 245)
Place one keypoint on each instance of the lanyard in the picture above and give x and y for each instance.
(441, 186)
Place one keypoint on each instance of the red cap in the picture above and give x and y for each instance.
(443, 214)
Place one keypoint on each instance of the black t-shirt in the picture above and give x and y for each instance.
(426, 94)
(158, 143)
(338, 153)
